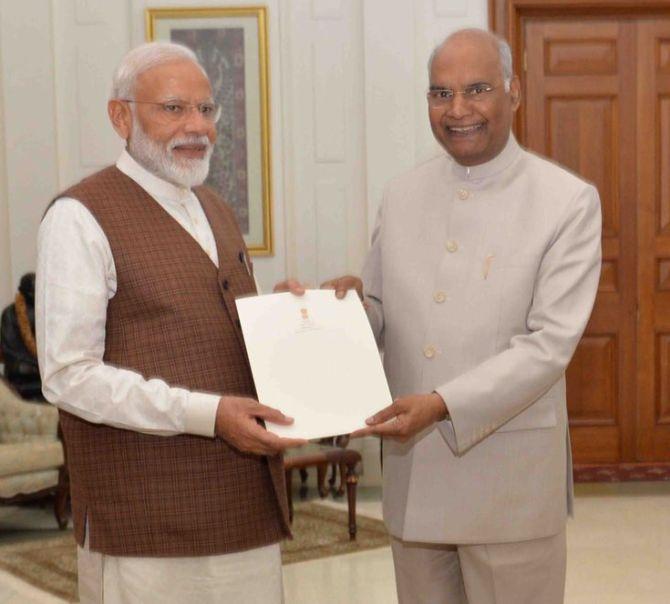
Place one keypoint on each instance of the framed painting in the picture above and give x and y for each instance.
(231, 44)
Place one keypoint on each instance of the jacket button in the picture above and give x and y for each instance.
(226, 285)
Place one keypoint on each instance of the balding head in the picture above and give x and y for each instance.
(484, 38)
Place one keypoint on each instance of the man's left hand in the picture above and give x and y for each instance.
(406, 417)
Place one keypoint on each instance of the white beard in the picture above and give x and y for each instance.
(160, 160)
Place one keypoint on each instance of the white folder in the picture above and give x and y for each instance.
(314, 358)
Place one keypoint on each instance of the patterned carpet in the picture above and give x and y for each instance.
(50, 564)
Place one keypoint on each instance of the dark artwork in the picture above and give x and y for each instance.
(221, 53)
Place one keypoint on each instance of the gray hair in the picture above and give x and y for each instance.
(504, 52)
(142, 58)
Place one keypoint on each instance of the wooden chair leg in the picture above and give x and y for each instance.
(352, 483)
(321, 471)
(333, 476)
(288, 475)
(61, 502)
(303, 483)
(343, 479)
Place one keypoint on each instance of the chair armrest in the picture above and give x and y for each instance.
(23, 420)
(21, 458)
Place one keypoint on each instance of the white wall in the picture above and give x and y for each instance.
(347, 113)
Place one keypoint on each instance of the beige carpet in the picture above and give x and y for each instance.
(318, 531)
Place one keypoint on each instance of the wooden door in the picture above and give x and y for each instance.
(597, 99)
(653, 141)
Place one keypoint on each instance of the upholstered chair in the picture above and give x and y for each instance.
(31, 452)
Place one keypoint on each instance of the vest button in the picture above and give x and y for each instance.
(226, 285)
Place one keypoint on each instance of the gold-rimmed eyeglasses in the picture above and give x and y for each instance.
(175, 111)
(437, 97)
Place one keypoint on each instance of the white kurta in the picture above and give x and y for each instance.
(76, 278)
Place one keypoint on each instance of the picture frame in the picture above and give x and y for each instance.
(232, 45)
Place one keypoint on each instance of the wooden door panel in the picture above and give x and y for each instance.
(592, 383)
(663, 204)
(583, 84)
(575, 56)
(591, 149)
(653, 345)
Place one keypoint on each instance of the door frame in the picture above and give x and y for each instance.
(506, 16)
(506, 19)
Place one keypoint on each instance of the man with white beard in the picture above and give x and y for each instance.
(178, 491)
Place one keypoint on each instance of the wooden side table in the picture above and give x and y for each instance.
(321, 457)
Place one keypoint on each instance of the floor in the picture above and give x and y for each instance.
(618, 553)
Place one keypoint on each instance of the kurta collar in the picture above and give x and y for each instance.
(156, 187)
(500, 162)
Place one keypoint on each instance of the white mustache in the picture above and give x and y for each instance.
(190, 140)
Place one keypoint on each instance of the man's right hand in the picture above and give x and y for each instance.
(236, 424)
(343, 284)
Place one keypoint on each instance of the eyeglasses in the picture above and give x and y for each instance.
(175, 111)
(438, 97)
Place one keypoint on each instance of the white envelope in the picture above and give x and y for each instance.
(314, 358)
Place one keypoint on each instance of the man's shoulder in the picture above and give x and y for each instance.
(96, 184)
(552, 175)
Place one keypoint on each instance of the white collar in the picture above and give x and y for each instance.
(500, 162)
(152, 184)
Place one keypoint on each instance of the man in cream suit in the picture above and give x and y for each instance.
(480, 281)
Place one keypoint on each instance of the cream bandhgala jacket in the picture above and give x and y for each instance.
(480, 282)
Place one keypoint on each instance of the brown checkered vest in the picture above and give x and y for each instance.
(173, 317)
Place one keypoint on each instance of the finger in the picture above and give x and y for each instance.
(277, 443)
(384, 415)
(270, 414)
(390, 429)
(295, 287)
(287, 443)
(282, 286)
(329, 284)
(259, 441)
(341, 290)
(362, 432)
